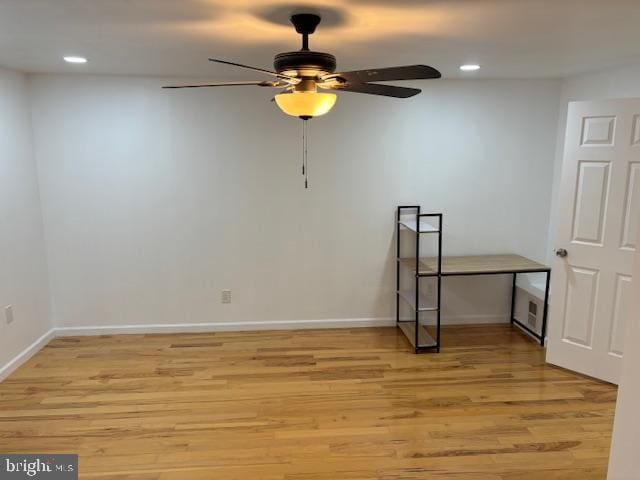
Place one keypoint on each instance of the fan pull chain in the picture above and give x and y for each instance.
(304, 146)
(305, 156)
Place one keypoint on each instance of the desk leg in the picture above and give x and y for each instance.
(543, 333)
(513, 298)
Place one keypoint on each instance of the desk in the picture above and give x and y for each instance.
(479, 265)
(410, 219)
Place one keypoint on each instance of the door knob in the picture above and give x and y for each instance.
(561, 252)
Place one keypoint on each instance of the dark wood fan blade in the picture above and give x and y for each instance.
(255, 69)
(409, 72)
(378, 89)
(231, 84)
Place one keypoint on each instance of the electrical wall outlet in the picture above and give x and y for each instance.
(225, 296)
(8, 314)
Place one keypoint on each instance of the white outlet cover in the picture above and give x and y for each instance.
(8, 313)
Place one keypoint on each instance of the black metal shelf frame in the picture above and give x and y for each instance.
(413, 332)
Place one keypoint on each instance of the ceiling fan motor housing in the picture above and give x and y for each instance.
(304, 60)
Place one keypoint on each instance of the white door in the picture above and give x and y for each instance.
(600, 214)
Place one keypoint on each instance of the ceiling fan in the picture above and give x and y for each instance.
(302, 73)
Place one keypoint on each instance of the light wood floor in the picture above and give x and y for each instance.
(308, 405)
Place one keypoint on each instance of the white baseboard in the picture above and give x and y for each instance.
(469, 319)
(26, 354)
(32, 349)
(474, 319)
(225, 326)
(269, 325)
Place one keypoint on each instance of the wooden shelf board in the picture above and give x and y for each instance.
(409, 297)
(425, 227)
(475, 265)
(424, 338)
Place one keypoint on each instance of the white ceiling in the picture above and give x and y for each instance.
(509, 38)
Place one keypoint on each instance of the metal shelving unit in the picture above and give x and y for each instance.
(410, 219)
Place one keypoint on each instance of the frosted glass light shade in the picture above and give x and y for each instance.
(306, 104)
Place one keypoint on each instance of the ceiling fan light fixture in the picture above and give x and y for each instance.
(306, 104)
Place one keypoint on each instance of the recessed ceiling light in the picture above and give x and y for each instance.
(74, 59)
(472, 67)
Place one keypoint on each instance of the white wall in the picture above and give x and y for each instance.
(622, 82)
(156, 200)
(23, 270)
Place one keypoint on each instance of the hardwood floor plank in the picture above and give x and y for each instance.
(313, 405)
